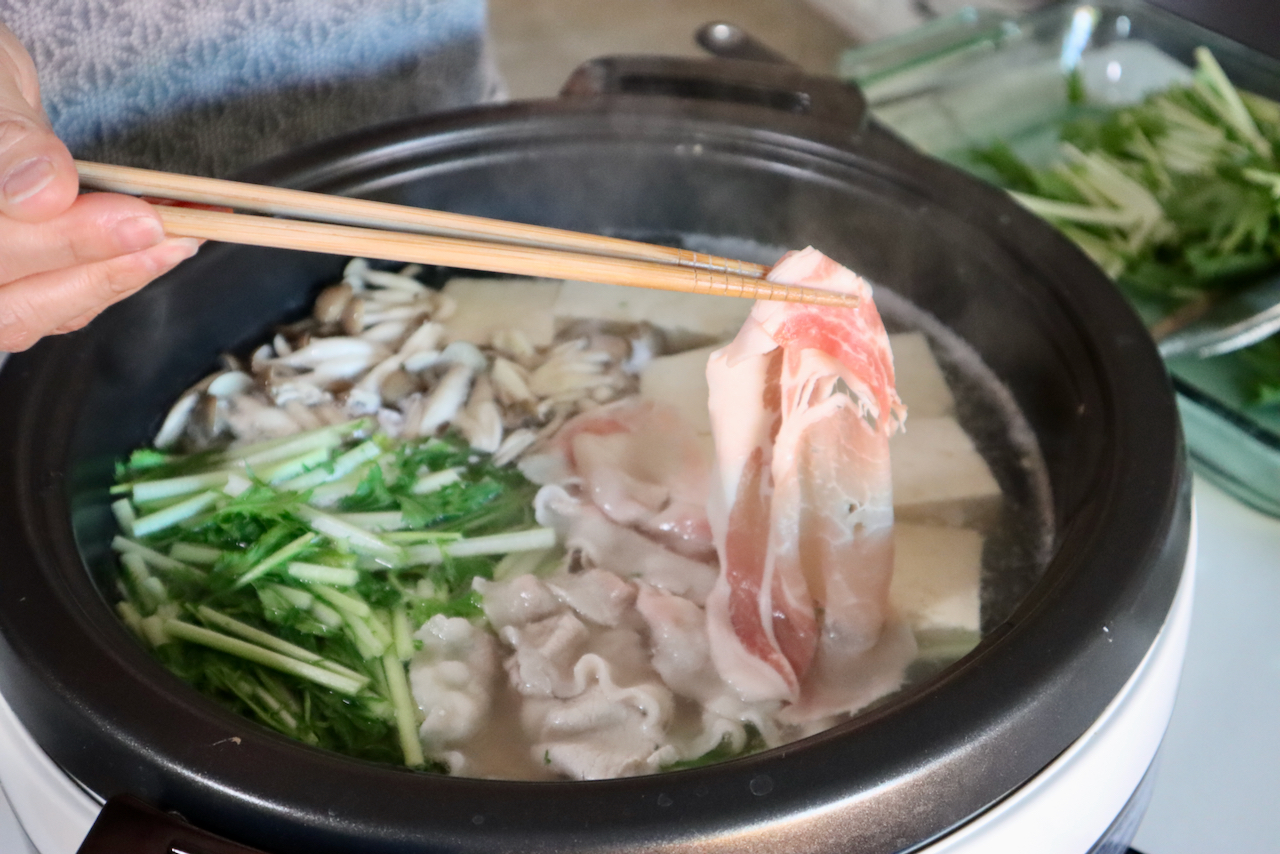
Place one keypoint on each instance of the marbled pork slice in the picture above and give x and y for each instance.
(802, 405)
(641, 465)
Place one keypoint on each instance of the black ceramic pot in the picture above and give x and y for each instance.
(655, 150)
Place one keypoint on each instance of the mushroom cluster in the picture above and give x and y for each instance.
(381, 343)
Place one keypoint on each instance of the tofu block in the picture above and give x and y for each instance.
(918, 377)
(689, 320)
(486, 306)
(681, 381)
(936, 572)
(939, 477)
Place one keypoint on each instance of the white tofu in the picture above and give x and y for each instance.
(680, 380)
(939, 477)
(918, 377)
(936, 572)
(486, 306)
(689, 320)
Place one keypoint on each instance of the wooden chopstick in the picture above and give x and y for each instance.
(479, 255)
(320, 207)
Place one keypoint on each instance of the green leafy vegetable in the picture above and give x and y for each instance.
(277, 604)
(1177, 197)
(1260, 361)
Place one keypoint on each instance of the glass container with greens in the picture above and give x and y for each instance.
(1152, 143)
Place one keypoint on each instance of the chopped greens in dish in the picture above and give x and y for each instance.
(1176, 197)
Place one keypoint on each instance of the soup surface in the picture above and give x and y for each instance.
(468, 530)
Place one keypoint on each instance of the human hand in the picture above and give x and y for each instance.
(64, 257)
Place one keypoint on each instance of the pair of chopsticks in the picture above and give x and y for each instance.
(338, 225)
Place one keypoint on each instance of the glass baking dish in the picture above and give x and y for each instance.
(977, 76)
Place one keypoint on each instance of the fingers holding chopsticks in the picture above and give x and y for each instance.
(63, 257)
(75, 264)
(67, 299)
(96, 227)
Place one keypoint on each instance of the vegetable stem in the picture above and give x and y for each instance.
(344, 603)
(124, 545)
(171, 487)
(293, 467)
(261, 655)
(406, 715)
(249, 633)
(122, 509)
(1072, 212)
(436, 480)
(313, 573)
(158, 521)
(195, 553)
(356, 538)
(273, 450)
(1232, 108)
(376, 521)
(402, 634)
(509, 541)
(342, 466)
(279, 557)
(362, 635)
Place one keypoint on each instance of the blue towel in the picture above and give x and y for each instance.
(209, 86)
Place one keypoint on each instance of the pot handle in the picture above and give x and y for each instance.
(783, 88)
(127, 824)
(729, 41)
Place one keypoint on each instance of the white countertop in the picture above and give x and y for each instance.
(12, 839)
(1220, 764)
(1216, 787)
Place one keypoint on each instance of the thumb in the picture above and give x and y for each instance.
(37, 175)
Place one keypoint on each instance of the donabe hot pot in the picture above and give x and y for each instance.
(658, 150)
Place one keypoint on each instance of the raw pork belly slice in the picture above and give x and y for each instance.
(452, 678)
(641, 465)
(802, 406)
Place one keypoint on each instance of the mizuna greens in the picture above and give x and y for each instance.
(284, 578)
(1176, 197)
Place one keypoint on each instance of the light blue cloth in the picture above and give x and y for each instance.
(210, 86)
